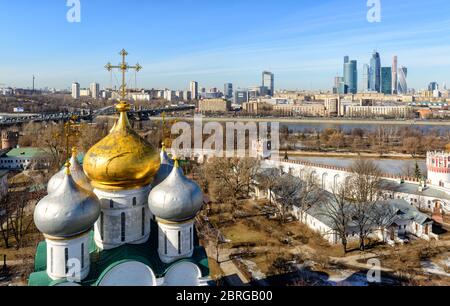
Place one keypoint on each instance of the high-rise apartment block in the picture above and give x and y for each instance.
(75, 90)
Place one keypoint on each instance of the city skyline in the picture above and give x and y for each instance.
(303, 47)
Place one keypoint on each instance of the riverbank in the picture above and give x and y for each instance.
(312, 121)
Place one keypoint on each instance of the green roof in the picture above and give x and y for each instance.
(26, 152)
(103, 260)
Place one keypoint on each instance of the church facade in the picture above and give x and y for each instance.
(124, 218)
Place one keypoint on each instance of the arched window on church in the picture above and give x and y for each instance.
(111, 204)
(122, 226)
(134, 201)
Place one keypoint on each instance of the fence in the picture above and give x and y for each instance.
(343, 169)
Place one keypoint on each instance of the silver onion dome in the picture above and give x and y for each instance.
(77, 174)
(165, 169)
(177, 198)
(68, 211)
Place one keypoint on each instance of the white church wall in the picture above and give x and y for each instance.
(68, 256)
(122, 207)
(175, 240)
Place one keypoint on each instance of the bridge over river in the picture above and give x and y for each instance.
(139, 114)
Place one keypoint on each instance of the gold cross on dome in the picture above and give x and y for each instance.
(123, 67)
(70, 129)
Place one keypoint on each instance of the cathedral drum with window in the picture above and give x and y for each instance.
(97, 218)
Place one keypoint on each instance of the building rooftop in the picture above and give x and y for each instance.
(25, 152)
(410, 188)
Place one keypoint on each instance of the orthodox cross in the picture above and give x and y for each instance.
(123, 67)
(70, 130)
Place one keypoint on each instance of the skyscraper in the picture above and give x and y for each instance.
(268, 81)
(351, 76)
(375, 72)
(365, 78)
(228, 90)
(95, 90)
(386, 80)
(402, 84)
(394, 75)
(75, 90)
(343, 87)
(433, 86)
(194, 90)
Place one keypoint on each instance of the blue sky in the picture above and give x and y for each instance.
(215, 41)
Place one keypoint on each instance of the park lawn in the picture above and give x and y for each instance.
(241, 233)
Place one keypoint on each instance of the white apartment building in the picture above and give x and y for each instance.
(75, 90)
(95, 90)
(378, 111)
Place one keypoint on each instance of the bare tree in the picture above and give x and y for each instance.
(337, 209)
(268, 180)
(231, 178)
(309, 193)
(20, 219)
(287, 194)
(4, 222)
(365, 192)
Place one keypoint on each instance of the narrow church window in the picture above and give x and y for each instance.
(51, 260)
(111, 204)
(143, 221)
(122, 219)
(82, 256)
(165, 243)
(102, 226)
(66, 261)
(134, 201)
(179, 242)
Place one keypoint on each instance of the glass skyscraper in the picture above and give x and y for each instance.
(386, 80)
(402, 84)
(394, 75)
(351, 76)
(268, 81)
(365, 78)
(375, 72)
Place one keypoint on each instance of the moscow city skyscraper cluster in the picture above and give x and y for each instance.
(375, 78)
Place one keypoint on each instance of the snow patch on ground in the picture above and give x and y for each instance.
(431, 268)
(253, 269)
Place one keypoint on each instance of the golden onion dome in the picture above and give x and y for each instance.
(123, 159)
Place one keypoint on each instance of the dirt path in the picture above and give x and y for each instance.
(353, 261)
